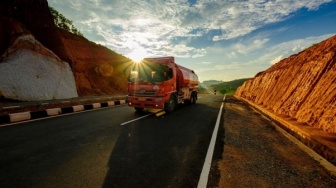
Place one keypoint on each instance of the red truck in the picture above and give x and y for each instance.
(160, 83)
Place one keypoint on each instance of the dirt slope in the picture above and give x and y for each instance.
(302, 87)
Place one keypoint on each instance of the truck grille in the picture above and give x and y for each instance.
(143, 92)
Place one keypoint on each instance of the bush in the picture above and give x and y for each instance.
(64, 23)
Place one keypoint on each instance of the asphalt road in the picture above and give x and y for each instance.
(100, 149)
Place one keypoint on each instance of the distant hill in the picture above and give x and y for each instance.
(221, 87)
(211, 82)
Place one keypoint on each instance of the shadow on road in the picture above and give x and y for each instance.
(165, 151)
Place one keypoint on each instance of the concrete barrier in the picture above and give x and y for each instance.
(110, 103)
(96, 105)
(78, 108)
(19, 116)
(23, 116)
(54, 111)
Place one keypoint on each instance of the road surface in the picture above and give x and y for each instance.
(97, 148)
(105, 148)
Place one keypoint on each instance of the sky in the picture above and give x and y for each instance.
(218, 39)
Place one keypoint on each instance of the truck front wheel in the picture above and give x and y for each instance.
(138, 109)
(194, 96)
(170, 106)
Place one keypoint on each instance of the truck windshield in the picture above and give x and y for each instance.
(148, 72)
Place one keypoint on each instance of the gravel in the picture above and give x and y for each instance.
(256, 155)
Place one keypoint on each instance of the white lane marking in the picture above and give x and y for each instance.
(203, 181)
(135, 119)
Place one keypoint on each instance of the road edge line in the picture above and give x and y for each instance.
(203, 181)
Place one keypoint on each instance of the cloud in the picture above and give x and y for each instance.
(239, 18)
(297, 45)
(248, 47)
(220, 67)
(245, 65)
(277, 52)
(276, 60)
(125, 25)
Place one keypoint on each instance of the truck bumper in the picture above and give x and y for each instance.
(145, 102)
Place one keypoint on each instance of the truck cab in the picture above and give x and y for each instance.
(159, 83)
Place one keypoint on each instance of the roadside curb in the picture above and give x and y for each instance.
(30, 115)
(328, 153)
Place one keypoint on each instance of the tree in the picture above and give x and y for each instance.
(64, 23)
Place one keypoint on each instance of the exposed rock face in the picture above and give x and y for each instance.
(35, 17)
(31, 72)
(302, 86)
(96, 69)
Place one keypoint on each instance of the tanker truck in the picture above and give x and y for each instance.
(160, 83)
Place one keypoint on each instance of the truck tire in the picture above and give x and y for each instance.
(138, 109)
(170, 106)
(194, 96)
(192, 99)
(187, 101)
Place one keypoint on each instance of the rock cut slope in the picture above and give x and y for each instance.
(302, 87)
(95, 69)
(30, 72)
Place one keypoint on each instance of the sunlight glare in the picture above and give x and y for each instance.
(137, 55)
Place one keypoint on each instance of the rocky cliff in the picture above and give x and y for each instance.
(302, 86)
(96, 69)
(31, 72)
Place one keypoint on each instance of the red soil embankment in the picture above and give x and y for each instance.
(302, 87)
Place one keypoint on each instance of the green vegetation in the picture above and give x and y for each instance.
(63, 22)
(212, 82)
(227, 88)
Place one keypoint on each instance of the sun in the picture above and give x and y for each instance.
(137, 54)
